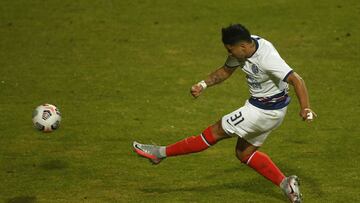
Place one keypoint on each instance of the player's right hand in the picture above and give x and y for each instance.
(307, 114)
(196, 90)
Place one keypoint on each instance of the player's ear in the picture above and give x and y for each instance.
(227, 47)
(244, 45)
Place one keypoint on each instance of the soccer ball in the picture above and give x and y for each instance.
(46, 117)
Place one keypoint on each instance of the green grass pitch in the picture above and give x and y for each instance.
(121, 71)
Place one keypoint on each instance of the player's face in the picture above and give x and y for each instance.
(238, 50)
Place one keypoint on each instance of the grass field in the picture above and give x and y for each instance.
(121, 71)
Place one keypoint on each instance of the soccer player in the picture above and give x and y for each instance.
(268, 76)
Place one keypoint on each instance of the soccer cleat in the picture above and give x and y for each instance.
(290, 187)
(148, 151)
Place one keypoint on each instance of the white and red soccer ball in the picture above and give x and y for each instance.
(46, 118)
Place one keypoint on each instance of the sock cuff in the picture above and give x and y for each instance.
(251, 156)
(162, 151)
(208, 136)
(248, 158)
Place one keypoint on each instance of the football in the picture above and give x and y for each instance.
(46, 118)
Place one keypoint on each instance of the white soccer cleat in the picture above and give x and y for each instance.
(150, 152)
(290, 187)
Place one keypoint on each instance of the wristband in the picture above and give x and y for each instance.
(309, 115)
(203, 84)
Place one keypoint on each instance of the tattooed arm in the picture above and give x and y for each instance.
(214, 78)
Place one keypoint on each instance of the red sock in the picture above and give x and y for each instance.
(192, 144)
(262, 163)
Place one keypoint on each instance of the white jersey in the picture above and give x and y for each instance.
(266, 71)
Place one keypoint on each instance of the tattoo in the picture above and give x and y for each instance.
(217, 77)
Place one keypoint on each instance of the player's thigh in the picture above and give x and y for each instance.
(243, 145)
(244, 148)
(218, 131)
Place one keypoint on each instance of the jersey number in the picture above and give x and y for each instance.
(236, 118)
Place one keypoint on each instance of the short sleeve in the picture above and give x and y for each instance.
(232, 62)
(276, 66)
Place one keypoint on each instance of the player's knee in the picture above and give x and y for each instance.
(243, 156)
(239, 155)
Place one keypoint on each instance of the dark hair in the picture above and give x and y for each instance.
(235, 33)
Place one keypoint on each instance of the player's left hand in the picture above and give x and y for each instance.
(307, 114)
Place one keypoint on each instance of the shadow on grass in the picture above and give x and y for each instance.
(22, 199)
(54, 164)
(256, 186)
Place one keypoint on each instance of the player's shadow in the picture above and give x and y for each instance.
(54, 164)
(22, 199)
(256, 186)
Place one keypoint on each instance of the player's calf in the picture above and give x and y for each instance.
(210, 136)
(259, 161)
(244, 150)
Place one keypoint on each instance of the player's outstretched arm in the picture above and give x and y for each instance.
(214, 78)
(302, 94)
